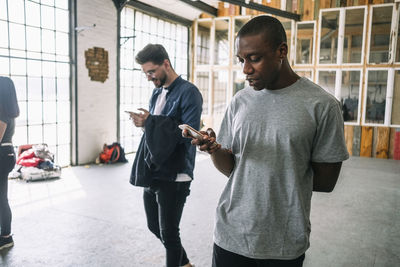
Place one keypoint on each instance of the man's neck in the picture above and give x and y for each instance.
(170, 79)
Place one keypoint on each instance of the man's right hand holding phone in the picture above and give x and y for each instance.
(206, 143)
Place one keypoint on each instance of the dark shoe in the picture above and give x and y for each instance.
(6, 242)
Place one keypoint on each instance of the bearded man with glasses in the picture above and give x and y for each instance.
(165, 160)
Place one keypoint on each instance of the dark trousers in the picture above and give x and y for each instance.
(7, 162)
(163, 204)
(224, 258)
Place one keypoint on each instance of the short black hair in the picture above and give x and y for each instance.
(272, 28)
(8, 98)
(154, 53)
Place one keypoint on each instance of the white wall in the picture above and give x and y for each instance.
(97, 101)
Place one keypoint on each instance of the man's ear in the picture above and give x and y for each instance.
(167, 63)
(283, 49)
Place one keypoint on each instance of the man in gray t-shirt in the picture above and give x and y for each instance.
(281, 138)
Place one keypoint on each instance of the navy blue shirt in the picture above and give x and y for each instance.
(184, 104)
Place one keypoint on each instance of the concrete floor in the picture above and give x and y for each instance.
(92, 216)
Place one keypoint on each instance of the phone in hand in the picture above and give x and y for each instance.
(193, 132)
(131, 112)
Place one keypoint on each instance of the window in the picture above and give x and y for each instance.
(221, 45)
(328, 41)
(305, 42)
(350, 95)
(137, 30)
(354, 35)
(34, 53)
(380, 34)
(375, 100)
(202, 81)
(203, 42)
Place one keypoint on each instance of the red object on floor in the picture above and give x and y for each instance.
(396, 152)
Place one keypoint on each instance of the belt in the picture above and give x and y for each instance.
(6, 144)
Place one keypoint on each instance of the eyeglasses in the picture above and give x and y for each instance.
(151, 72)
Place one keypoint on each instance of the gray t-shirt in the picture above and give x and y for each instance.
(264, 210)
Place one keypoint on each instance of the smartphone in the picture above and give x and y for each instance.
(137, 112)
(191, 131)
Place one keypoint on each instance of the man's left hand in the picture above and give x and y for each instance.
(139, 119)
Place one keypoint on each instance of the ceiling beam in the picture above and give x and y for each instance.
(119, 3)
(202, 7)
(266, 9)
(159, 12)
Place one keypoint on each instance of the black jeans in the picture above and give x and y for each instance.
(224, 258)
(7, 162)
(163, 204)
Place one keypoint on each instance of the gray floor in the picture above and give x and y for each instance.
(92, 216)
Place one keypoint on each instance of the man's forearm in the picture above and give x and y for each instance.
(224, 161)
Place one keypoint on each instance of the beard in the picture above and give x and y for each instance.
(160, 81)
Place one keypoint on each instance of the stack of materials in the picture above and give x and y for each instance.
(36, 162)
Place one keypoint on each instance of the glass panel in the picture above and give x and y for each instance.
(62, 89)
(353, 33)
(329, 40)
(35, 112)
(376, 96)
(380, 34)
(203, 42)
(221, 46)
(4, 66)
(49, 69)
(396, 99)
(16, 11)
(220, 87)
(20, 87)
(327, 80)
(35, 135)
(202, 82)
(3, 9)
(18, 66)
(34, 88)
(33, 39)
(63, 133)
(62, 70)
(20, 136)
(305, 73)
(47, 17)
(4, 33)
(62, 44)
(32, 14)
(62, 21)
(17, 36)
(34, 68)
(350, 91)
(63, 111)
(304, 43)
(48, 2)
(50, 134)
(62, 4)
(49, 89)
(239, 81)
(48, 42)
(49, 112)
